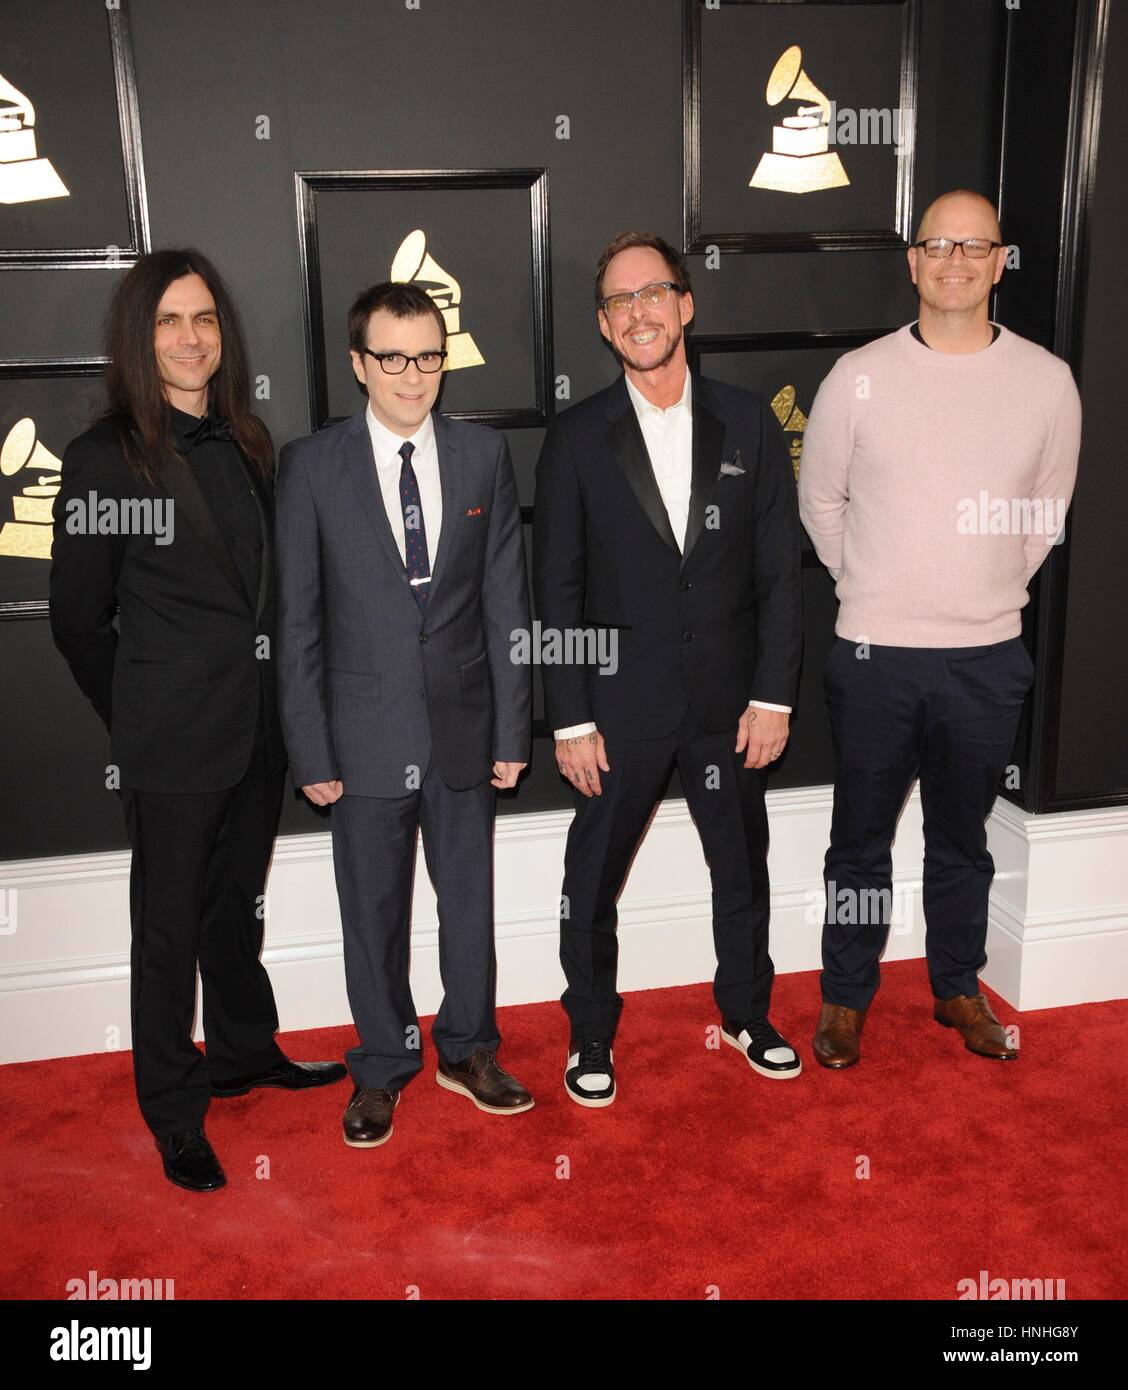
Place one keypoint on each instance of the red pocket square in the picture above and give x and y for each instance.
(473, 511)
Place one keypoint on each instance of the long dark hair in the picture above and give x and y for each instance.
(136, 396)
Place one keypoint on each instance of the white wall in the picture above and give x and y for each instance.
(1058, 928)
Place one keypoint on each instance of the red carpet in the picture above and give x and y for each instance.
(702, 1174)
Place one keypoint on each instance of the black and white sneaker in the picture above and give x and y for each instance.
(590, 1078)
(766, 1051)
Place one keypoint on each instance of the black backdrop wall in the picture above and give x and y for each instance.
(373, 85)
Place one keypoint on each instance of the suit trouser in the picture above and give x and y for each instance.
(197, 878)
(726, 801)
(374, 864)
(948, 715)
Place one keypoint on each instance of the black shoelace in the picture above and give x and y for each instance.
(762, 1033)
(595, 1055)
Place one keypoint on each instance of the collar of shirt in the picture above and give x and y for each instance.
(386, 445)
(646, 410)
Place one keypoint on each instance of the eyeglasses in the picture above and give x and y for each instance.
(650, 295)
(396, 362)
(940, 247)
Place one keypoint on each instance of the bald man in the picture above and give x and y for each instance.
(938, 464)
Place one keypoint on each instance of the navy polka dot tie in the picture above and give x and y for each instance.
(414, 532)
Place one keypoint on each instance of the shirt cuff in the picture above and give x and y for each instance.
(763, 704)
(574, 732)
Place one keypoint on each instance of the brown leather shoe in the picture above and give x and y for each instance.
(982, 1032)
(837, 1042)
(368, 1117)
(490, 1088)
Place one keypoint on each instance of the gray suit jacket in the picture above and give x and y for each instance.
(370, 688)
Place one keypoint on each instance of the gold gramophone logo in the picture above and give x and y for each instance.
(412, 263)
(800, 161)
(28, 537)
(793, 422)
(24, 177)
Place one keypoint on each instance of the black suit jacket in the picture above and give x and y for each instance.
(179, 682)
(372, 687)
(711, 629)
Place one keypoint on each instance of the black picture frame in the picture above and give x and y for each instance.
(838, 341)
(309, 184)
(133, 171)
(696, 239)
(44, 368)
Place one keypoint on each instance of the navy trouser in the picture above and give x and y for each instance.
(374, 865)
(947, 715)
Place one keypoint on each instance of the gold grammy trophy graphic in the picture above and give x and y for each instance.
(412, 263)
(793, 421)
(28, 537)
(799, 161)
(24, 178)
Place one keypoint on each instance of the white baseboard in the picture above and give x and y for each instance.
(1058, 928)
(1058, 931)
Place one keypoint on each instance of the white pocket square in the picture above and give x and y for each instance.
(732, 466)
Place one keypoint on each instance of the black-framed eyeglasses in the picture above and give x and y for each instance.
(651, 295)
(941, 247)
(394, 363)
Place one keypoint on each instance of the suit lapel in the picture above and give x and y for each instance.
(708, 445)
(451, 481)
(260, 490)
(362, 467)
(629, 448)
(178, 480)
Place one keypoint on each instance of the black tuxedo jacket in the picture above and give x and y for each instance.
(710, 629)
(179, 682)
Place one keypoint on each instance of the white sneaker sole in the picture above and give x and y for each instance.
(771, 1075)
(461, 1090)
(596, 1103)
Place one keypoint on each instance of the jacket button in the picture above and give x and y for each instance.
(687, 636)
(685, 584)
(422, 637)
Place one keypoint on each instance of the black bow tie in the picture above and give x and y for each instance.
(208, 427)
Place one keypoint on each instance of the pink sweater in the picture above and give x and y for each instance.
(932, 485)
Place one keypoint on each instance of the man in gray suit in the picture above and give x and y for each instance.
(401, 573)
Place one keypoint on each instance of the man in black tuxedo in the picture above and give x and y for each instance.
(164, 520)
(402, 581)
(666, 523)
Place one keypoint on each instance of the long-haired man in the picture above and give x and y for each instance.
(164, 520)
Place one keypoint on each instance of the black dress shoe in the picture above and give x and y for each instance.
(293, 1076)
(190, 1161)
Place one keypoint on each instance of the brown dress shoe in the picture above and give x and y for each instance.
(982, 1032)
(490, 1088)
(368, 1117)
(837, 1042)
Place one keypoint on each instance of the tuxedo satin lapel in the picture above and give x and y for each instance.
(178, 480)
(362, 468)
(629, 448)
(708, 446)
(260, 490)
(451, 482)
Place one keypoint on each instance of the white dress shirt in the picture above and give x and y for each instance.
(425, 462)
(668, 435)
